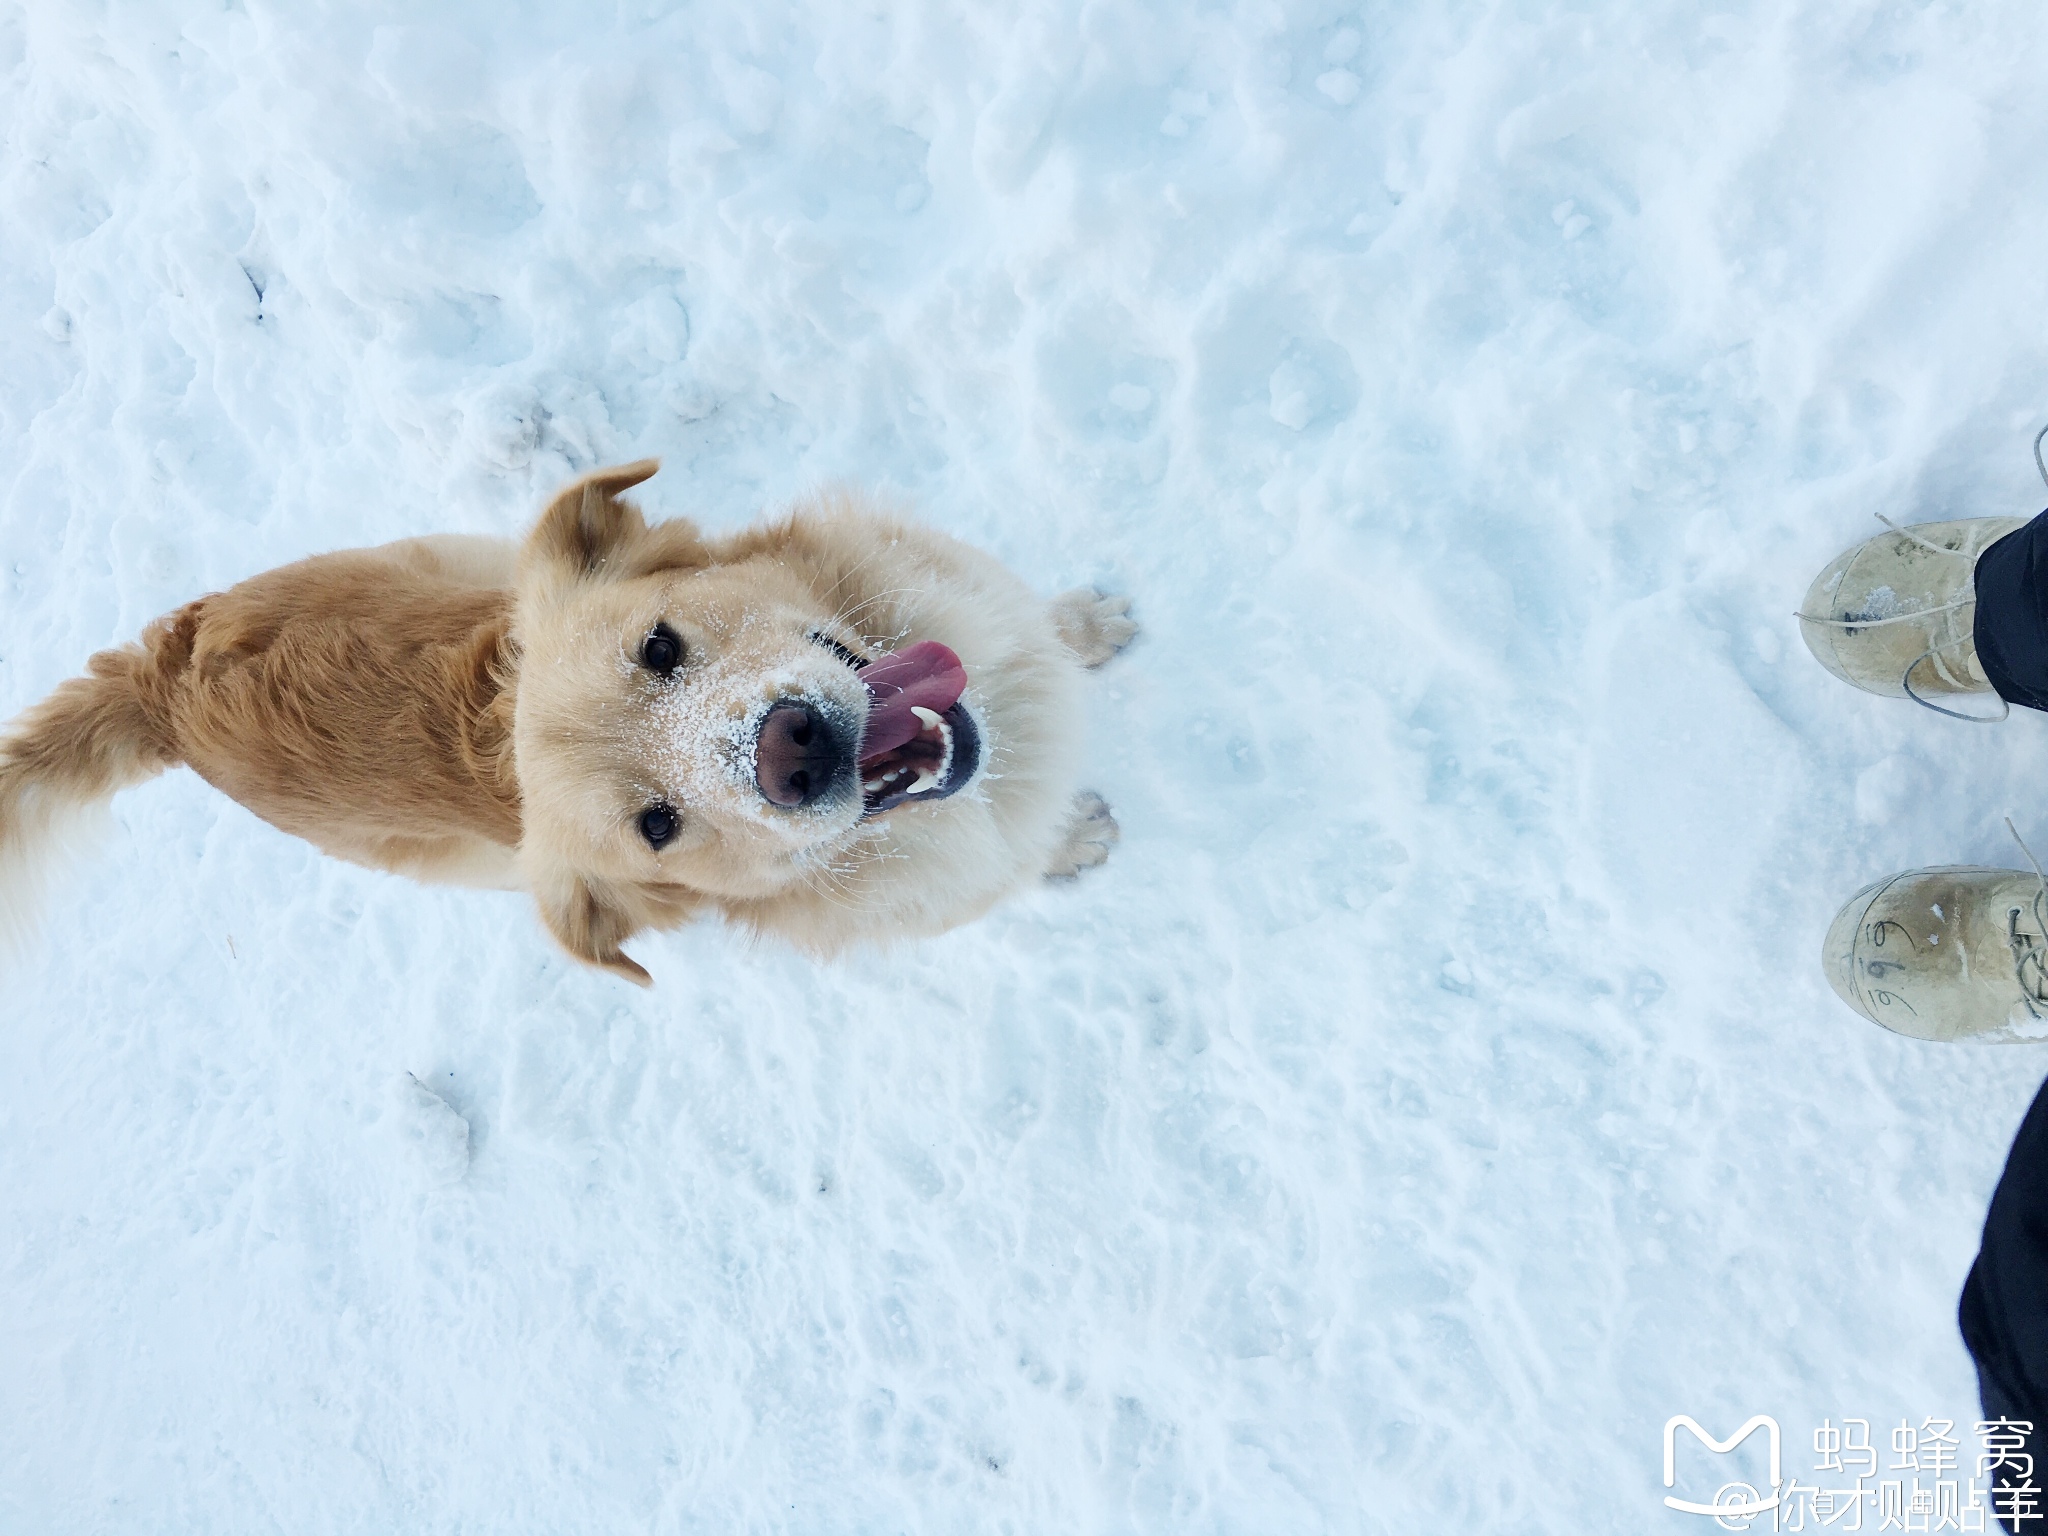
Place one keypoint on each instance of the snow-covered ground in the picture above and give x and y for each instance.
(1437, 1090)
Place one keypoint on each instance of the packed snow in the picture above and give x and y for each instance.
(1435, 1092)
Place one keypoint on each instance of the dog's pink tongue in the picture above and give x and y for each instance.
(922, 676)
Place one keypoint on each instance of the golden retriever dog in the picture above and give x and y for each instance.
(836, 727)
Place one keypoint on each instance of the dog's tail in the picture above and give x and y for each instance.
(62, 759)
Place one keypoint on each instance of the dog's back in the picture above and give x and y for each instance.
(360, 704)
(356, 699)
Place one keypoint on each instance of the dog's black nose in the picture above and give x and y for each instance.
(797, 757)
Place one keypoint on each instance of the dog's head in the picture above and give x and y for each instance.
(695, 727)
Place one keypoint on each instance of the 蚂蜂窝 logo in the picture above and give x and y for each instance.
(1731, 1499)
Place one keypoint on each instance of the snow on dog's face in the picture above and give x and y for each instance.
(727, 726)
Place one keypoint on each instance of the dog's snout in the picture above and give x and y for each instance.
(798, 757)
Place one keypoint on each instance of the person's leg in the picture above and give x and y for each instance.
(2010, 628)
(2004, 1313)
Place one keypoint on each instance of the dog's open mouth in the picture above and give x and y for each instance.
(920, 743)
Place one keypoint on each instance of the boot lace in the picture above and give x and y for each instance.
(2029, 957)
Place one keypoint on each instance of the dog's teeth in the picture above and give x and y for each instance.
(871, 785)
(930, 717)
(926, 779)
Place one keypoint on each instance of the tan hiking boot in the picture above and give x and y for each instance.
(1946, 954)
(1894, 614)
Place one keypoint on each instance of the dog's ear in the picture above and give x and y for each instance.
(588, 533)
(589, 924)
(586, 527)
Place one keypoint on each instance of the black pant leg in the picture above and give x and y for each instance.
(2010, 628)
(2004, 1308)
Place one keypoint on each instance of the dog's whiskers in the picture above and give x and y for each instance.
(827, 880)
(848, 615)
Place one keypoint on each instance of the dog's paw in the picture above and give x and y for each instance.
(1090, 836)
(1095, 625)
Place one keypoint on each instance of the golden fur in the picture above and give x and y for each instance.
(470, 710)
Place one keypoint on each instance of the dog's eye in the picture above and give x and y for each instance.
(662, 650)
(658, 825)
(845, 653)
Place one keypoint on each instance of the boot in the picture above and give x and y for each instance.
(1894, 614)
(1946, 954)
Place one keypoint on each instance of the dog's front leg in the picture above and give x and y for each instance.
(1091, 833)
(1094, 625)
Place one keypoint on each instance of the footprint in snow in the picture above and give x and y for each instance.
(436, 1138)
